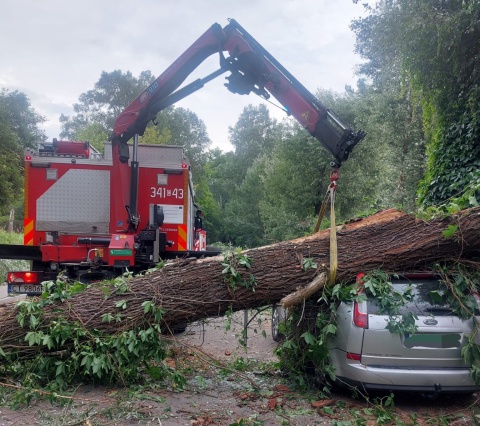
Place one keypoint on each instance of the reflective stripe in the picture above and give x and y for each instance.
(182, 237)
(28, 232)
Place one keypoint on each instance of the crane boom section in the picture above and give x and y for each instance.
(252, 69)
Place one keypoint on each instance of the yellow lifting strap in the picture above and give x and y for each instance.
(333, 240)
(330, 196)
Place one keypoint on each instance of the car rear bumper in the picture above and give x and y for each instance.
(436, 380)
(433, 389)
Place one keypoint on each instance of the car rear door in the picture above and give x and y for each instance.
(437, 342)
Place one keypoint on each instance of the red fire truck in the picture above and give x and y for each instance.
(70, 213)
(94, 216)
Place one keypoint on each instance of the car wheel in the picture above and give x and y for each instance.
(278, 316)
(179, 328)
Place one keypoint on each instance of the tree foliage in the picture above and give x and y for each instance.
(18, 130)
(254, 134)
(186, 129)
(94, 133)
(272, 187)
(295, 180)
(386, 167)
(432, 49)
(101, 106)
(242, 220)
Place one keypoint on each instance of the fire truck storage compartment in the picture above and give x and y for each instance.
(77, 201)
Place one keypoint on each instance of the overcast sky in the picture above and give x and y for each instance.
(54, 50)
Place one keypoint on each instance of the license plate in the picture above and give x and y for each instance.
(25, 288)
(433, 340)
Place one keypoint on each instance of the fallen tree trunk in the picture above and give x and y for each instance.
(190, 289)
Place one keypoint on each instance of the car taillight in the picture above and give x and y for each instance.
(23, 277)
(359, 277)
(360, 315)
(354, 357)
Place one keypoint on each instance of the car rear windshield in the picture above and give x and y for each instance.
(427, 298)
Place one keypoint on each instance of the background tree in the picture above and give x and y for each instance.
(21, 118)
(243, 225)
(431, 49)
(284, 185)
(187, 130)
(213, 216)
(18, 130)
(253, 135)
(296, 177)
(111, 94)
(385, 168)
(221, 167)
(217, 177)
(94, 133)
(153, 136)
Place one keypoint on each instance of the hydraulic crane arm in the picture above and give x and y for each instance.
(160, 94)
(253, 66)
(252, 69)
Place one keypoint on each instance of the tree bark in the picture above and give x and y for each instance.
(190, 289)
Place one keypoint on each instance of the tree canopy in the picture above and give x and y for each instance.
(430, 49)
(101, 105)
(18, 130)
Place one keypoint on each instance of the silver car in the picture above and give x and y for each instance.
(368, 356)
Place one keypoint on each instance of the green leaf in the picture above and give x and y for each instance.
(148, 306)
(34, 321)
(308, 263)
(450, 231)
(60, 368)
(202, 383)
(87, 361)
(107, 318)
(370, 285)
(436, 297)
(453, 208)
(309, 338)
(328, 410)
(122, 304)
(473, 201)
(34, 337)
(330, 329)
(48, 341)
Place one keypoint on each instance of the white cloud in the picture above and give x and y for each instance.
(55, 50)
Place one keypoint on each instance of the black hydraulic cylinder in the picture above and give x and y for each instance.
(134, 172)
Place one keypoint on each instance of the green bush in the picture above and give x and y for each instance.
(11, 265)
